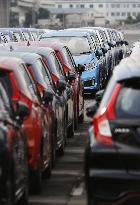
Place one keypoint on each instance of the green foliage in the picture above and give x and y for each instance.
(131, 20)
(43, 13)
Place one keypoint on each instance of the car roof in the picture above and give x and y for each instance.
(25, 56)
(9, 62)
(65, 33)
(128, 68)
(33, 49)
(53, 45)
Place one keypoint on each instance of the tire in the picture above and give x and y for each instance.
(81, 118)
(47, 173)
(24, 199)
(9, 199)
(70, 131)
(53, 161)
(75, 120)
(61, 149)
(91, 201)
(35, 181)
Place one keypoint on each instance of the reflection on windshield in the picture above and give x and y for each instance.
(54, 65)
(77, 45)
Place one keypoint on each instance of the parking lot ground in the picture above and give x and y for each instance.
(66, 185)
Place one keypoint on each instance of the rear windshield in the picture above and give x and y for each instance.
(128, 104)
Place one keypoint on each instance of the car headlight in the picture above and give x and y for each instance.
(89, 66)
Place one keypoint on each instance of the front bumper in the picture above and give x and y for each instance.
(91, 89)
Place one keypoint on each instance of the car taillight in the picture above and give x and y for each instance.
(101, 120)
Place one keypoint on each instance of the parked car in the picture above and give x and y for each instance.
(112, 152)
(81, 46)
(54, 65)
(44, 80)
(13, 144)
(73, 76)
(37, 125)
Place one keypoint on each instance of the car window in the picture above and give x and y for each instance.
(29, 82)
(17, 36)
(6, 82)
(127, 104)
(68, 58)
(7, 37)
(26, 36)
(34, 34)
(6, 91)
(43, 72)
(55, 66)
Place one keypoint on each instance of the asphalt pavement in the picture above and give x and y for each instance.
(66, 185)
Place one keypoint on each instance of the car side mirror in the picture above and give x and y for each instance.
(126, 43)
(104, 50)
(98, 54)
(81, 68)
(47, 97)
(92, 109)
(71, 76)
(22, 111)
(110, 44)
(61, 85)
(99, 95)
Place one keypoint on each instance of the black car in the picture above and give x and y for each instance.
(13, 151)
(112, 156)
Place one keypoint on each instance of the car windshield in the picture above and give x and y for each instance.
(68, 58)
(77, 45)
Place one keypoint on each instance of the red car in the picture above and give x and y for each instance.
(13, 152)
(36, 126)
(64, 55)
(53, 63)
(44, 80)
(66, 59)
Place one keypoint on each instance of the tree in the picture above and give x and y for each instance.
(129, 20)
(43, 13)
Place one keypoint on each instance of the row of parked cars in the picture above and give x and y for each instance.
(43, 78)
(96, 50)
(112, 155)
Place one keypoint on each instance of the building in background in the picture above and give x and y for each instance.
(4, 13)
(113, 11)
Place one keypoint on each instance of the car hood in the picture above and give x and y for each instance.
(88, 74)
(84, 58)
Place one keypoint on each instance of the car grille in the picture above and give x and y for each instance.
(89, 83)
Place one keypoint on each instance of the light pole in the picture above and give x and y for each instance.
(35, 8)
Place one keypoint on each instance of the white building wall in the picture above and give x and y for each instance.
(113, 10)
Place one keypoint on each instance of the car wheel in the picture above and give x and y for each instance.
(35, 181)
(81, 118)
(61, 149)
(53, 161)
(70, 131)
(75, 120)
(47, 173)
(9, 199)
(24, 198)
(91, 201)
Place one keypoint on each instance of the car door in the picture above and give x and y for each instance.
(15, 139)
